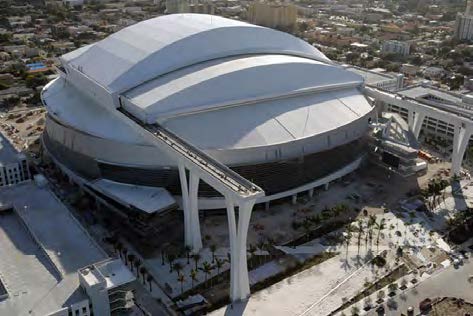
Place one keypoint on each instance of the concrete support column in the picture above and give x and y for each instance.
(194, 212)
(266, 206)
(190, 208)
(239, 283)
(311, 193)
(232, 236)
(410, 118)
(326, 186)
(417, 124)
(185, 205)
(294, 199)
(461, 137)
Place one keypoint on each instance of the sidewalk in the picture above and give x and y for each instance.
(301, 293)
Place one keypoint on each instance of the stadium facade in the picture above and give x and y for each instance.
(268, 105)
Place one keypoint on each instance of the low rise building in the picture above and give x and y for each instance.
(409, 70)
(396, 47)
(106, 284)
(449, 101)
(379, 79)
(434, 72)
(279, 16)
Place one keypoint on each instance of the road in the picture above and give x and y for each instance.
(450, 282)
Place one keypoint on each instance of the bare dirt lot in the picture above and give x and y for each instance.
(452, 307)
(22, 125)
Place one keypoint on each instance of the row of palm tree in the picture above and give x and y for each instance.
(309, 223)
(206, 268)
(435, 188)
(264, 246)
(372, 226)
(135, 264)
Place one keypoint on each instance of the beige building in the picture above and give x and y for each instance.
(189, 6)
(409, 70)
(279, 16)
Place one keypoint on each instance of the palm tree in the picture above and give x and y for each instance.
(380, 295)
(131, 260)
(213, 249)
(269, 246)
(306, 224)
(193, 275)
(143, 272)
(188, 250)
(371, 223)
(251, 249)
(178, 267)
(218, 264)
(196, 257)
(137, 265)
(125, 251)
(355, 310)
(392, 287)
(119, 247)
(360, 233)
(260, 246)
(348, 236)
(403, 284)
(181, 280)
(207, 269)
(171, 258)
(379, 226)
(150, 280)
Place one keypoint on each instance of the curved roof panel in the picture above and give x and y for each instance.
(158, 46)
(231, 82)
(272, 122)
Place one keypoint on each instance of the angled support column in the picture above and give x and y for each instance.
(232, 236)
(185, 205)
(461, 137)
(417, 123)
(194, 212)
(190, 207)
(410, 118)
(239, 282)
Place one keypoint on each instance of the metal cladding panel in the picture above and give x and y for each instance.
(275, 122)
(88, 86)
(164, 44)
(230, 81)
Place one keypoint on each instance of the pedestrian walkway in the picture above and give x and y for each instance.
(297, 294)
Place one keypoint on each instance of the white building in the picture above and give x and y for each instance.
(459, 104)
(464, 24)
(171, 84)
(172, 100)
(397, 47)
(379, 79)
(106, 283)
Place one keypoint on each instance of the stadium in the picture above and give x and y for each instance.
(264, 103)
